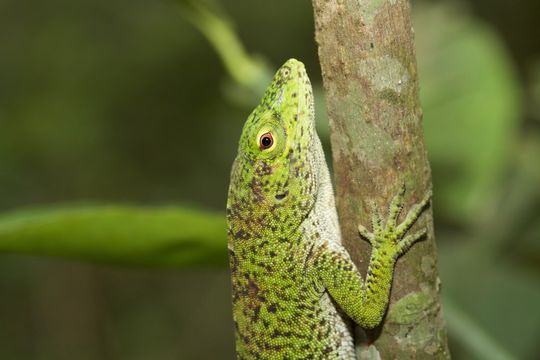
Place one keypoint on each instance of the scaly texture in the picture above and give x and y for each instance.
(293, 282)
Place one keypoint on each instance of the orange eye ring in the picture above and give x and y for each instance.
(266, 141)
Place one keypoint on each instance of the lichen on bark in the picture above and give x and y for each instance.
(369, 72)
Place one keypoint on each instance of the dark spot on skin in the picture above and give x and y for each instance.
(246, 339)
(327, 350)
(256, 312)
(282, 196)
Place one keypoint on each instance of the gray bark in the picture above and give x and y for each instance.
(369, 71)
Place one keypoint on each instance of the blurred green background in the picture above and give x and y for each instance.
(128, 103)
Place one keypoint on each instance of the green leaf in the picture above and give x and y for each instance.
(472, 104)
(159, 236)
(250, 73)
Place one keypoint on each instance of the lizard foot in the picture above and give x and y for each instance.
(389, 236)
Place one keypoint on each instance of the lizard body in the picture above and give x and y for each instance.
(292, 280)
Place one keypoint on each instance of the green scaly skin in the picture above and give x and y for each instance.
(293, 283)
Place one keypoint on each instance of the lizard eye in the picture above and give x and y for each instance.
(266, 141)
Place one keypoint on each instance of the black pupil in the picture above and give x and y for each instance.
(266, 141)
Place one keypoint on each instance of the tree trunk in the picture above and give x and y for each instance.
(369, 72)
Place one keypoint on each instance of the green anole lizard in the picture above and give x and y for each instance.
(294, 285)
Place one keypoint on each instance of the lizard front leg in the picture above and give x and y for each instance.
(366, 301)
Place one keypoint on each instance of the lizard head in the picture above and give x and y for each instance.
(273, 178)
